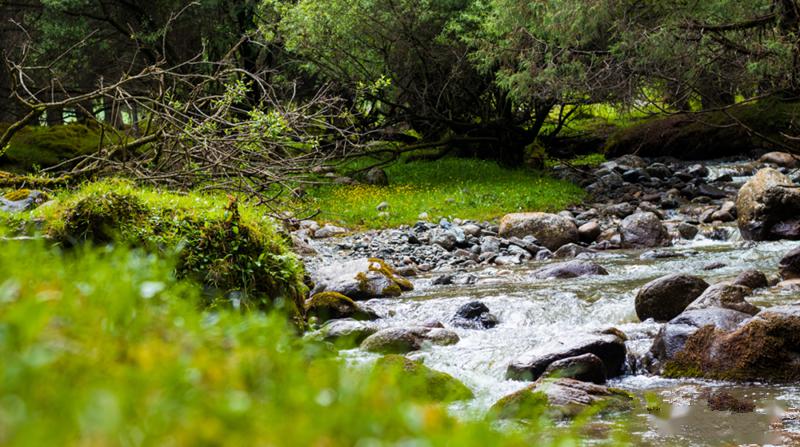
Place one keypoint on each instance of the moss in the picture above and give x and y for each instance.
(45, 146)
(391, 290)
(231, 253)
(18, 194)
(379, 265)
(331, 305)
(419, 382)
(524, 404)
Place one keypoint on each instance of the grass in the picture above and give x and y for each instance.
(451, 187)
(105, 347)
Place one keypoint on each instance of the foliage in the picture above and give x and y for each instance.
(235, 251)
(451, 187)
(106, 347)
(41, 147)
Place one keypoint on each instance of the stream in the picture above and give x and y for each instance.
(532, 312)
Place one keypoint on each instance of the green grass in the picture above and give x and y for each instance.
(451, 187)
(105, 347)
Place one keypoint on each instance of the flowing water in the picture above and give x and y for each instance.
(532, 312)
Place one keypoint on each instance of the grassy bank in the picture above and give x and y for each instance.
(106, 347)
(451, 187)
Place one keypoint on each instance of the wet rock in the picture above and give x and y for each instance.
(664, 298)
(360, 279)
(419, 382)
(789, 265)
(721, 400)
(620, 210)
(766, 347)
(474, 315)
(571, 251)
(697, 171)
(376, 176)
(403, 340)
(609, 348)
(727, 296)
(687, 231)
(347, 333)
(673, 335)
(768, 206)
(331, 305)
(569, 269)
(781, 159)
(635, 176)
(329, 231)
(550, 230)
(443, 280)
(560, 399)
(711, 191)
(659, 170)
(586, 368)
(589, 232)
(643, 230)
(660, 254)
(752, 278)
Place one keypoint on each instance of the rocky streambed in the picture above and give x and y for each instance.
(647, 299)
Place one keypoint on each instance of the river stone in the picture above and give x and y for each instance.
(727, 296)
(569, 269)
(687, 230)
(444, 238)
(766, 347)
(474, 315)
(560, 399)
(360, 279)
(331, 305)
(782, 159)
(589, 232)
(329, 231)
(403, 340)
(586, 368)
(751, 278)
(571, 251)
(551, 230)
(643, 230)
(418, 382)
(376, 176)
(672, 336)
(347, 333)
(789, 266)
(664, 298)
(609, 348)
(768, 206)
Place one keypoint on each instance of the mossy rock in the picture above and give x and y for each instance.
(332, 305)
(419, 382)
(45, 146)
(361, 279)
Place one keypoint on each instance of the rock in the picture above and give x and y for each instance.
(471, 230)
(569, 269)
(444, 238)
(383, 206)
(711, 191)
(687, 231)
(635, 175)
(659, 170)
(664, 298)
(781, 159)
(403, 340)
(550, 230)
(490, 244)
(609, 348)
(752, 278)
(418, 382)
(697, 171)
(630, 161)
(560, 399)
(22, 200)
(643, 230)
(331, 305)
(766, 347)
(301, 246)
(347, 333)
(329, 231)
(376, 176)
(474, 315)
(360, 279)
(586, 368)
(673, 335)
(727, 296)
(589, 232)
(571, 251)
(789, 265)
(620, 210)
(768, 206)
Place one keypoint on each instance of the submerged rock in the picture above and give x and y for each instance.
(664, 298)
(403, 340)
(360, 279)
(570, 269)
(769, 207)
(550, 230)
(560, 399)
(609, 348)
(474, 315)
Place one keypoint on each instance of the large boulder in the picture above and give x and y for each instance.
(360, 279)
(418, 382)
(727, 296)
(768, 206)
(643, 230)
(560, 399)
(570, 269)
(551, 230)
(766, 347)
(404, 340)
(664, 298)
(608, 347)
